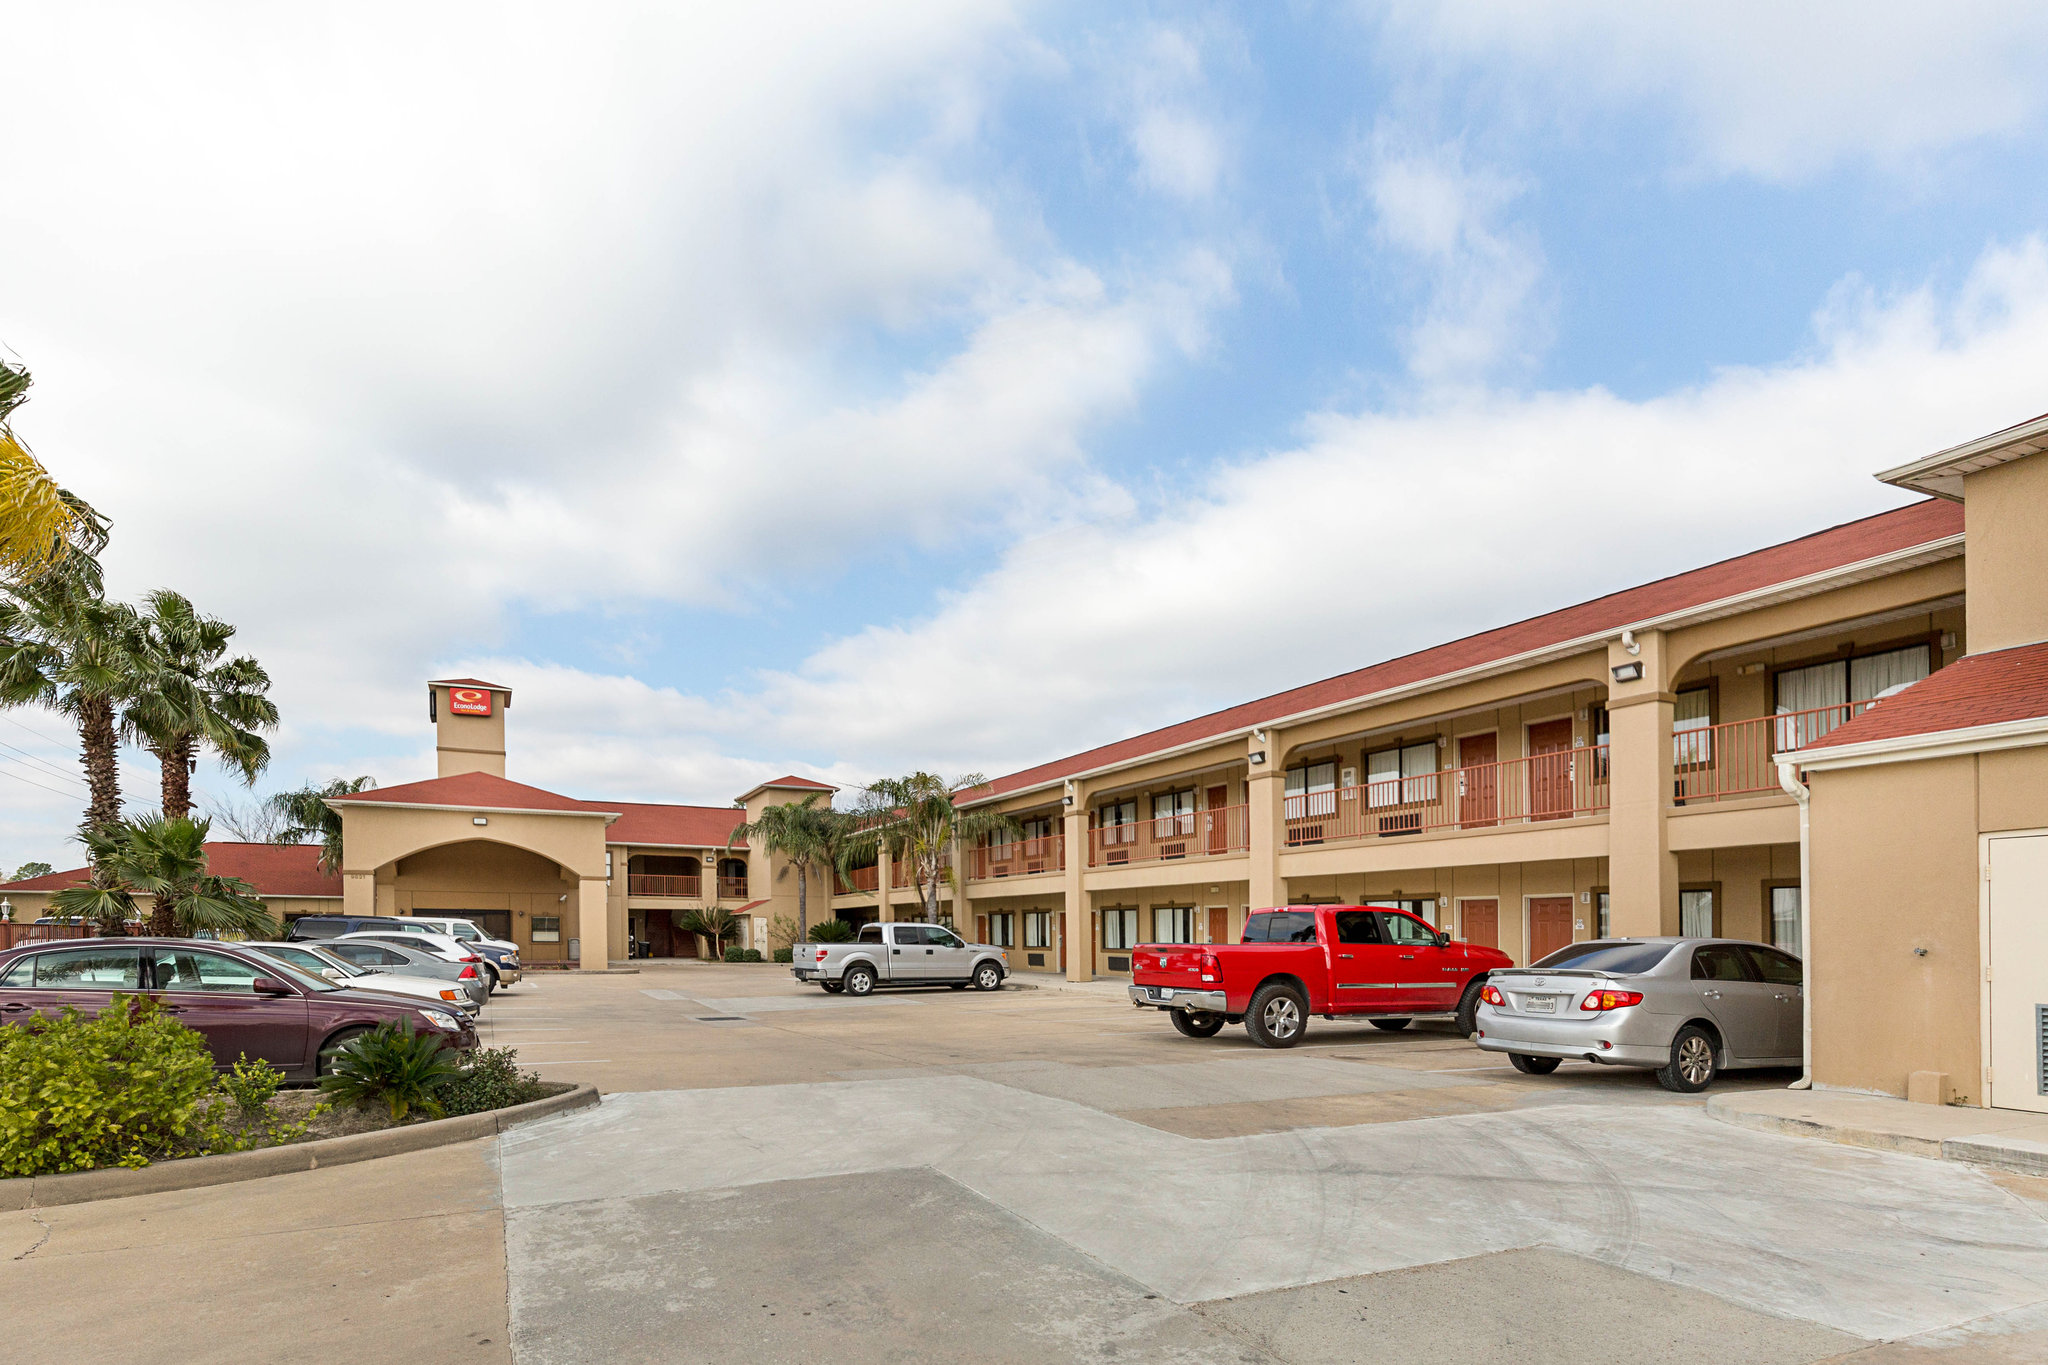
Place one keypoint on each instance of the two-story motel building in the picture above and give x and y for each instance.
(1629, 765)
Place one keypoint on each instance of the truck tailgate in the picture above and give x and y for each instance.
(1173, 964)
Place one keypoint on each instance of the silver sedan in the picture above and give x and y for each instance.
(1687, 1008)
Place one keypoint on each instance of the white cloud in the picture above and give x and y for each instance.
(1168, 112)
(1758, 87)
(1379, 533)
(1481, 276)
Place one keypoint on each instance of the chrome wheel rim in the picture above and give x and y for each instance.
(857, 984)
(988, 978)
(1695, 1060)
(1281, 1018)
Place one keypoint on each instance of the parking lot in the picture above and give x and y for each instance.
(777, 1174)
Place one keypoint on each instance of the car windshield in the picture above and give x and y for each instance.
(307, 959)
(1605, 955)
(298, 976)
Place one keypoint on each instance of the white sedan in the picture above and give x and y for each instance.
(310, 959)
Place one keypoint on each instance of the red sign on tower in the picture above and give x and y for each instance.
(469, 701)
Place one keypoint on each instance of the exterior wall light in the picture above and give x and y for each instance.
(1258, 756)
(1628, 672)
(478, 820)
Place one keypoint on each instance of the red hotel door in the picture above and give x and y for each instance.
(1550, 925)
(1219, 924)
(1219, 820)
(1478, 783)
(1550, 770)
(1481, 922)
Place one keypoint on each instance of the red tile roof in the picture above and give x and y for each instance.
(1838, 547)
(273, 869)
(469, 789)
(687, 826)
(639, 822)
(1978, 689)
(803, 782)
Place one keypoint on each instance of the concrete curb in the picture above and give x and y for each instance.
(2018, 1155)
(84, 1187)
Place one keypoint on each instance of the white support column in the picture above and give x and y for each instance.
(1079, 932)
(593, 925)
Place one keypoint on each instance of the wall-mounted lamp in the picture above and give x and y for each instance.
(1948, 639)
(478, 820)
(1585, 898)
(1257, 757)
(1629, 672)
(562, 899)
(1443, 741)
(1443, 902)
(1067, 800)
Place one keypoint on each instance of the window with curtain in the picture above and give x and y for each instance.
(1603, 735)
(1173, 924)
(1400, 777)
(1119, 929)
(1173, 814)
(1785, 907)
(1037, 829)
(1814, 700)
(1311, 790)
(1696, 914)
(1692, 735)
(1118, 822)
(1423, 907)
(1037, 928)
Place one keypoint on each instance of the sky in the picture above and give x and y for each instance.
(955, 384)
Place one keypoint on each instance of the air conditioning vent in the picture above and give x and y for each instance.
(1408, 822)
(1179, 850)
(1119, 964)
(1034, 959)
(2041, 1048)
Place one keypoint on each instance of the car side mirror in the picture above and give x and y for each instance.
(1443, 940)
(269, 985)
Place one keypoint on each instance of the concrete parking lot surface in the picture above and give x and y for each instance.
(777, 1174)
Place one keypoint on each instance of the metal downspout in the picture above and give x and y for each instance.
(1788, 778)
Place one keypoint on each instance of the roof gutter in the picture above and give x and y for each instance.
(609, 815)
(1896, 561)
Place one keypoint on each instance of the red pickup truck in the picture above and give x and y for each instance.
(1334, 960)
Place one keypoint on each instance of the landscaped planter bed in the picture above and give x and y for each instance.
(358, 1135)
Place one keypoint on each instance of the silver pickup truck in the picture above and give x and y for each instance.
(900, 955)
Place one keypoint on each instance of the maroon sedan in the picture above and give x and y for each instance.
(240, 999)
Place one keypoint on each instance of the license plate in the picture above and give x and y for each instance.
(1166, 993)
(1540, 1004)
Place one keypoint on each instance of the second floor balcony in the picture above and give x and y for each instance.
(1019, 858)
(654, 884)
(1559, 785)
(1215, 832)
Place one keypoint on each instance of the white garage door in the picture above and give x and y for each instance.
(2018, 950)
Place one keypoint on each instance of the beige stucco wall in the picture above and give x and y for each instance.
(489, 876)
(2004, 511)
(1894, 868)
(469, 744)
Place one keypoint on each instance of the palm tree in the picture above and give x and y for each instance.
(714, 923)
(307, 815)
(164, 860)
(64, 646)
(916, 819)
(41, 524)
(189, 698)
(804, 833)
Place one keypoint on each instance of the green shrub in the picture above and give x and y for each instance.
(392, 1063)
(492, 1081)
(79, 1092)
(734, 955)
(785, 955)
(250, 1085)
(831, 931)
(752, 955)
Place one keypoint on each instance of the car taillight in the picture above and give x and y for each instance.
(1611, 1000)
(471, 958)
(1492, 996)
(1211, 969)
(468, 974)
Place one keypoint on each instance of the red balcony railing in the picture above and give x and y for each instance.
(1552, 786)
(1019, 858)
(732, 888)
(858, 879)
(1737, 757)
(1193, 834)
(658, 884)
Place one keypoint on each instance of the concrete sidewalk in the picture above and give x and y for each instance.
(2005, 1139)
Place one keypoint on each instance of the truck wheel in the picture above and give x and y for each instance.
(988, 977)
(1533, 1066)
(1278, 1016)
(1695, 1061)
(1468, 1009)
(1390, 1025)
(860, 980)
(1196, 1024)
(833, 987)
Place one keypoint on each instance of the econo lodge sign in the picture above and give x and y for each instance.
(469, 701)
